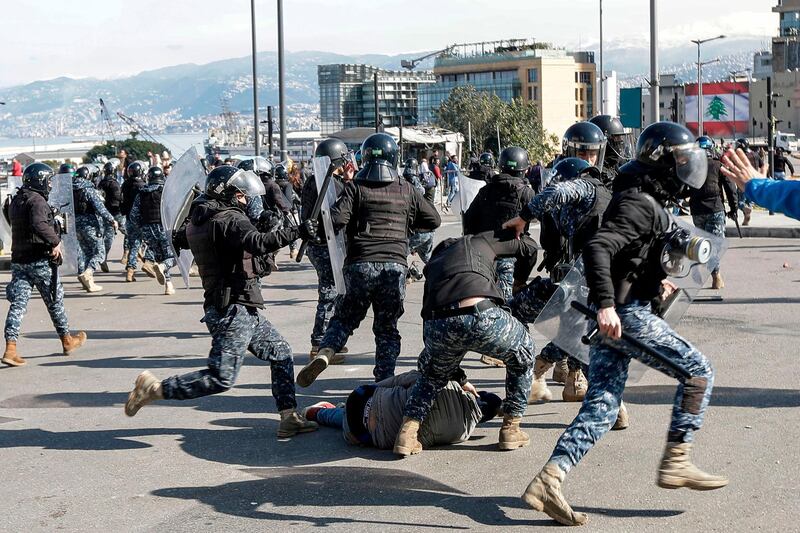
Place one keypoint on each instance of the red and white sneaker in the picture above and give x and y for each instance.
(310, 412)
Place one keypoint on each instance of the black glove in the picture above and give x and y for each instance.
(308, 231)
(733, 214)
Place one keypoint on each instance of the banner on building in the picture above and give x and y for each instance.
(726, 108)
(630, 107)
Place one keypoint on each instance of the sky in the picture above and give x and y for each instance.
(44, 39)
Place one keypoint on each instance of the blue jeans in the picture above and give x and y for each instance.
(452, 188)
(779, 175)
(332, 417)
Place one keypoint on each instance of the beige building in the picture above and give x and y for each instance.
(560, 83)
(785, 106)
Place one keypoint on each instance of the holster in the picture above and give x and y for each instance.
(222, 298)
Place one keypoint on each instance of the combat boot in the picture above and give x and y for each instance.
(87, 280)
(292, 254)
(623, 421)
(511, 436)
(544, 494)
(492, 361)
(539, 390)
(104, 267)
(10, 357)
(146, 389)
(716, 281)
(560, 371)
(334, 360)
(747, 212)
(293, 423)
(70, 343)
(318, 364)
(130, 274)
(125, 256)
(575, 387)
(406, 442)
(169, 288)
(677, 470)
(149, 268)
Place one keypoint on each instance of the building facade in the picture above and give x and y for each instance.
(786, 46)
(561, 84)
(347, 96)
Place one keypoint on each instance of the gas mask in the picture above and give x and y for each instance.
(682, 250)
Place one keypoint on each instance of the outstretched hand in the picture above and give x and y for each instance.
(738, 168)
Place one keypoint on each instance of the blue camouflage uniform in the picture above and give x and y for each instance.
(420, 242)
(88, 226)
(326, 290)
(24, 277)
(153, 234)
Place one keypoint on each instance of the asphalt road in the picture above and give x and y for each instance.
(72, 461)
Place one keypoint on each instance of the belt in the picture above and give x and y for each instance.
(438, 314)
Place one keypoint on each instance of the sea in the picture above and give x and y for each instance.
(176, 143)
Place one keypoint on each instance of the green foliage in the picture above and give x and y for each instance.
(138, 149)
(518, 120)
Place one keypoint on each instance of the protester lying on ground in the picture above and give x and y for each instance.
(779, 196)
(373, 413)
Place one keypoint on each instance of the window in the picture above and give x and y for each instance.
(577, 94)
(507, 75)
(789, 104)
(530, 93)
(577, 113)
(760, 104)
(535, 93)
(585, 77)
(533, 75)
(790, 124)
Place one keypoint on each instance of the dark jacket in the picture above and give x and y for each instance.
(33, 235)
(780, 162)
(378, 217)
(112, 194)
(274, 199)
(709, 198)
(464, 268)
(309, 198)
(621, 260)
(224, 243)
(130, 188)
(498, 202)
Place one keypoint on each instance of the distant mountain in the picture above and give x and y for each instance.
(187, 97)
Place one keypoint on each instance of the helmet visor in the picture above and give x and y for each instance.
(247, 183)
(691, 164)
(592, 153)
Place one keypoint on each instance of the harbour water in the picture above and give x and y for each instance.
(176, 143)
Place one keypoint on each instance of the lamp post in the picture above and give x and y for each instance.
(699, 42)
(602, 89)
(256, 140)
(654, 82)
(281, 84)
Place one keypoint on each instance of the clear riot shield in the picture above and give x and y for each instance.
(566, 327)
(60, 199)
(12, 184)
(336, 242)
(176, 199)
(467, 191)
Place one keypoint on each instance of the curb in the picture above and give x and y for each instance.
(764, 233)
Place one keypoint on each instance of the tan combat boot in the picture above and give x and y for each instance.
(406, 442)
(337, 359)
(149, 268)
(146, 389)
(716, 281)
(492, 361)
(544, 494)
(747, 212)
(87, 280)
(539, 390)
(511, 436)
(677, 470)
(130, 274)
(70, 343)
(293, 423)
(160, 272)
(104, 267)
(125, 255)
(575, 387)
(560, 371)
(623, 421)
(10, 357)
(169, 288)
(318, 364)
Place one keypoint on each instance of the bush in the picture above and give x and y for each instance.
(136, 148)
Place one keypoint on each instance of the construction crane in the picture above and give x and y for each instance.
(106, 117)
(137, 128)
(412, 64)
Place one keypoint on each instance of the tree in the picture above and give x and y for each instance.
(518, 120)
(716, 108)
(136, 148)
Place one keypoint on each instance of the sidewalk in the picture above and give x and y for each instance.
(763, 225)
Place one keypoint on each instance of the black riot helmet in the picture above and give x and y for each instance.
(486, 159)
(586, 141)
(135, 170)
(379, 154)
(410, 168)
(155, 176)
(569, 168)
(109, 169)
(37, 178)
(260, 165)
(619, 146)
(280, 173)
(514, 161)
(743, 143)
(225, 181)
(82, 172)
(66, 168)
(333, 148)
(672, 156)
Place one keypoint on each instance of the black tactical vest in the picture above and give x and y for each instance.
(82, 204)
(384, 210)
(498, 202)
(458, 258)
(150, 206)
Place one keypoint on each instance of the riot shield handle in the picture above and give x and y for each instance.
(317, 207)
(633, 341)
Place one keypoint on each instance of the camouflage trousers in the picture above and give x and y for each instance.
(504, 269)
(383, 286)
(526, 306)
(236, 330)
(713, 223)
(24, 277)
(133, 238)
(155, 239)
(91, 250)
(422, 244)
(326, 290)
(490, 332)
(109, 233)
(608, 370)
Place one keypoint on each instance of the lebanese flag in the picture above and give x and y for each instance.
(720, 102)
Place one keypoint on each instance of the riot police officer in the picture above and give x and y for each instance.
(131, 186)
(229, 250)
(146, 215)
(90, 213)
(586, 141)
(272, 199)
(35, 256)
(112, 199)
(419, 242)
(484, 169)
(376, 210)
(618, 146)
(624, 273)
(290, 198)
(318, 253)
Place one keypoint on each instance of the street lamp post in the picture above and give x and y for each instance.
(281, 84)
(698, 42)
(654, 81)
(256, 140)
(602, 89)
